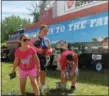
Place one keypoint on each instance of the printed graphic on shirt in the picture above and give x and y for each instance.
(41, 42)
(46, 42)
(26, 60)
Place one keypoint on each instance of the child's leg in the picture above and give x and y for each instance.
(34, 85)
(63, 78)
(42, 77)
(32, 75)
(38, 80)
(74, 79)
(23, 77)
(22, 86)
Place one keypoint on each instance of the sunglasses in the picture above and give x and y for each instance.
(24, 40)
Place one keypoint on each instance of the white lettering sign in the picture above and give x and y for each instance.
(70, 27)
(50, 31)
(57, 28)
(79, 25)
(62, 28)
(99, 22)
(76, 26)
(83, 24)
(106, 20)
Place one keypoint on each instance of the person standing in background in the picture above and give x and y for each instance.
(42, 44)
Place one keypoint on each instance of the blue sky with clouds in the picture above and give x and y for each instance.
(17, 8)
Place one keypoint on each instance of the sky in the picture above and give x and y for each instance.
(17, 8)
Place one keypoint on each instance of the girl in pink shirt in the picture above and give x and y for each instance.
(28, 63)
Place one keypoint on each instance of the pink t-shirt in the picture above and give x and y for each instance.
(27, 61)
(63, 61)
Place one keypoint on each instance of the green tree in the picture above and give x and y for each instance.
(12, 24)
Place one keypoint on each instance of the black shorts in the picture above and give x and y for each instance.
(42, 60)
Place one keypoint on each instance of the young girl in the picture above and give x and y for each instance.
(28, 62)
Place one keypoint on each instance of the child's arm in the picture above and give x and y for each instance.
(15, 64)
(62, 63)
(49, 46)
(36, 61)
(75, 62)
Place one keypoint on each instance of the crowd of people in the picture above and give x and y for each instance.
(30, 58)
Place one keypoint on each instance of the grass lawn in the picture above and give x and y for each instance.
(89, 82)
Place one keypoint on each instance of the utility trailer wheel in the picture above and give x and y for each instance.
(98, 66)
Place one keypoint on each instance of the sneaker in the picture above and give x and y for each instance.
(44, 90)
(60, 85)
(73, 88)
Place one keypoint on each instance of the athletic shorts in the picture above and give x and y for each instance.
(42, 60)
(24, 74)
(76, 72)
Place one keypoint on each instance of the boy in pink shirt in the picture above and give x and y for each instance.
(69, 67)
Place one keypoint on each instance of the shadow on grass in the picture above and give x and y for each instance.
(59, 92)
(29, 94)
(54, 92)
(85, 76)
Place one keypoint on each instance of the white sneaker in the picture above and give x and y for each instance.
(44, 90)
